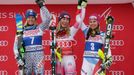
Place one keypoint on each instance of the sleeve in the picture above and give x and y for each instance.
(17, 45)
(80, 15)
(46, 18)
(83, 27)
(15, 48)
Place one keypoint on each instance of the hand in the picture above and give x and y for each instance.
(41, 63)
(20, 62)
(58, 52)
(39, 2)
(107, 64)
(79, 2)
(82, 3)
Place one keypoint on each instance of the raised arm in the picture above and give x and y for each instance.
(80, 15)
(45, 15)
(83, 27)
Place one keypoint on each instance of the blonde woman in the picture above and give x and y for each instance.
(65, 40)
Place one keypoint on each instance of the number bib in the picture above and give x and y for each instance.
(93, 46)
(32, 40)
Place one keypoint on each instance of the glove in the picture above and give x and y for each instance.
(79, 2)
(107, 64)
(82, 3)
(58, 53)
(20, 62)
(39, 3)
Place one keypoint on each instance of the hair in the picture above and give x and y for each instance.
(64, 14)
(59, 27)
(26, 24)
(89, 32)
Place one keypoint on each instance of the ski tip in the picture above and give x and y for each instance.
(110, 19)
(18, 16)
(19, 24)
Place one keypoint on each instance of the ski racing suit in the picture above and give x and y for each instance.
(68, 66)
(91, 60)
(32, 42)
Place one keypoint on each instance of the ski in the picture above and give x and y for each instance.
(109, 22)
(102, 55)
(19, 33)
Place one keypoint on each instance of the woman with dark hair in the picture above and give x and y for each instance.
(94, 40)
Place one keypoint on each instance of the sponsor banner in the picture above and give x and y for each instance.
(3, 43)
(117, 58)
(3, 72)
(3, 58)
(117, 72)
(3, 28)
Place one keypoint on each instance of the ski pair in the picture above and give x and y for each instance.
(108, 36)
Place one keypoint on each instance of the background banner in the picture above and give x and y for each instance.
(121, 45)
